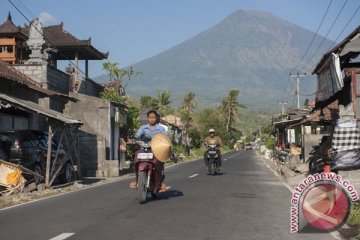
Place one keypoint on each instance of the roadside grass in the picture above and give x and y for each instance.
(354, 219)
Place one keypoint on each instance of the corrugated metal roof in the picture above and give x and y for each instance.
(34, 107)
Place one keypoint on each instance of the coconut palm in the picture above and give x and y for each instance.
(162, 102)
(229, 107)
(187, 112)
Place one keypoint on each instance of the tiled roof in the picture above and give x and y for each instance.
(8, 28)
(329, 113)
(58, 38)
(8, 72)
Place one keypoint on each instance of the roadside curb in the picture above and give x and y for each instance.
(334, 234)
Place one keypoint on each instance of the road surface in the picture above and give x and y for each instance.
(246, 202)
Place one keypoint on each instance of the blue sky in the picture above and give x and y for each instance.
(133, 30)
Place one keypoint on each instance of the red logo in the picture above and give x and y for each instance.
(326, 206)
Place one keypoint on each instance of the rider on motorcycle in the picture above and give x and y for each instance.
(212, 139)
(145, 133)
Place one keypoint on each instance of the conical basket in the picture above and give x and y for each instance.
(161, 147)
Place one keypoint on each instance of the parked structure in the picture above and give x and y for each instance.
(34, 51)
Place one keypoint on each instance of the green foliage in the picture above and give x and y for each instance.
(233, 136)
(132, 118)
(147, 102)
(269, 142)
(186, 114)
(112, 95)
(196, 139)
(211, 118)
(116, 73)
(162, 102)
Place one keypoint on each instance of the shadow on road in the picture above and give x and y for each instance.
(169, 194)
(218, 174)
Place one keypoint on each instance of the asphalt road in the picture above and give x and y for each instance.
(246, 202)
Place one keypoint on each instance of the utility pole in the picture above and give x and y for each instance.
(282, 107)
(297, 76)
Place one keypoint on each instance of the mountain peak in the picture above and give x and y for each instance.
(252, 51)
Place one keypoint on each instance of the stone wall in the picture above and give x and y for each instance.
(50, 78)
(37, 72)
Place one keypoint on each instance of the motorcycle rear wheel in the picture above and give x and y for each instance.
(142, 188)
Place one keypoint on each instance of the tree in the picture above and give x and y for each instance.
(196, 138)
(211, 118)
(229, 107)
(186, 114)
(162, 102)
(147, 102)
(117, 77)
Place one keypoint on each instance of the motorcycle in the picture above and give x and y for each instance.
(146, 166)
(213, 159)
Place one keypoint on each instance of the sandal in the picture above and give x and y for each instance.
(133, 185)
(163, 187)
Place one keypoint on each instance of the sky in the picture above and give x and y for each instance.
(134, 30)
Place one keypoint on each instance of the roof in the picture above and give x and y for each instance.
(287, 123)
(348, 48)
(172, 119)
(36, 108)
(9, 29)
(7, 71)
(67, 44)
(329, 113)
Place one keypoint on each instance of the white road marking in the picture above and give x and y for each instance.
(233, 155)
(192, 176)
(62, 236)
(225, 159)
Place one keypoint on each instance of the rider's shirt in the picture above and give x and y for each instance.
(145, 133)
(213, 140)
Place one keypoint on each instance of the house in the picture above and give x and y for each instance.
(20, 109)
(35, 51)
(338, 76)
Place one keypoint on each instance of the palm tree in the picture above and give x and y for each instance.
(229, 107)
(162, 102)
(187, 112)
(146, 102)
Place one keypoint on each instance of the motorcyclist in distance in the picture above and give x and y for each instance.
(212, 138)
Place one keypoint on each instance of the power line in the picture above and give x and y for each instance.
(311, 42)
(81, 71)
(23, 6)
(346, 25)
(315, 34)
(324, 38)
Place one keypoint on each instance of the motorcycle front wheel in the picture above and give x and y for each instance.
(212, 166)
(142, 189)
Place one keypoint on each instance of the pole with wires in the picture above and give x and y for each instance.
(297, 77)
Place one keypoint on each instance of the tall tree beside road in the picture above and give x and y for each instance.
(147, 102)
(162, 102)
(211, 118)
(229, 107)
(186, 114)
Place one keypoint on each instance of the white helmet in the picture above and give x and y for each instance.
(211, 130)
